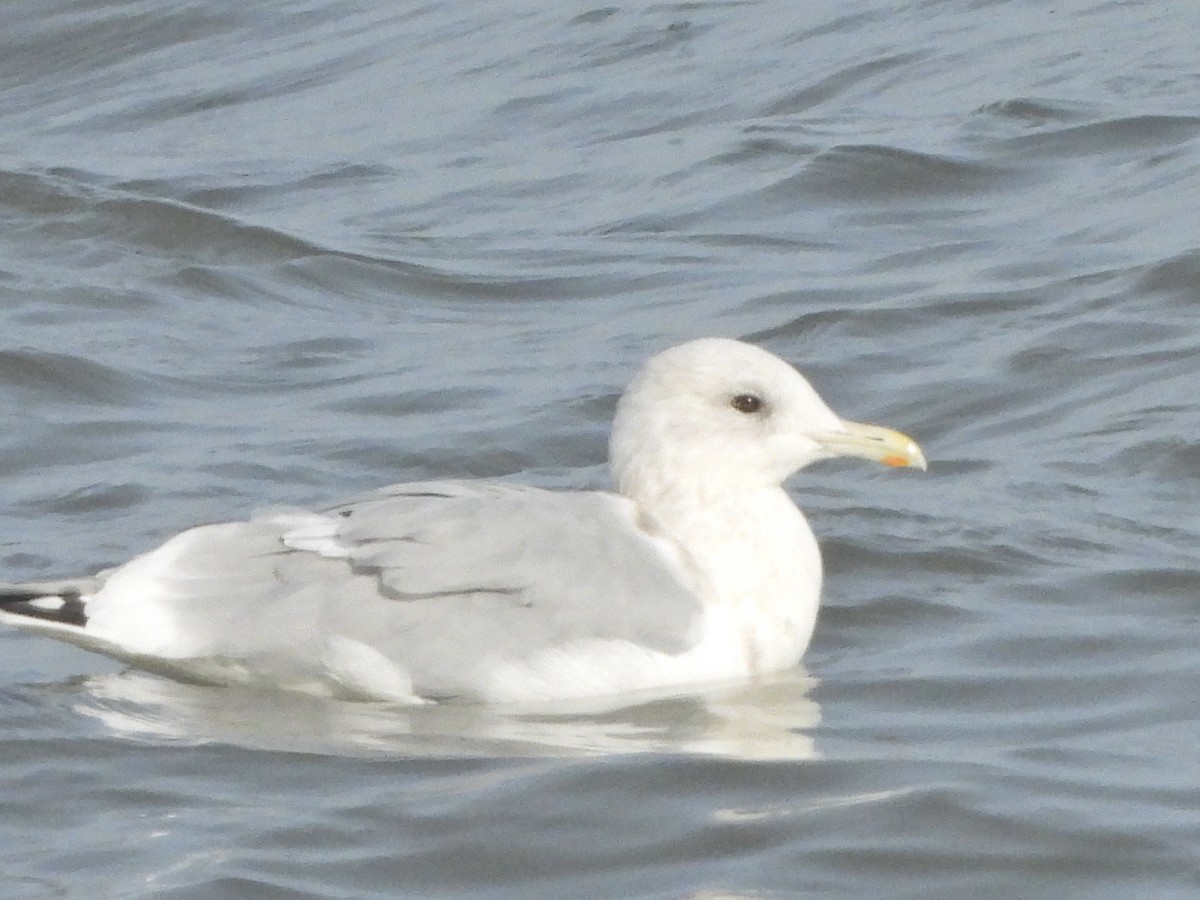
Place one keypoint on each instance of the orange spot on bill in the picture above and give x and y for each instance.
(895, 460)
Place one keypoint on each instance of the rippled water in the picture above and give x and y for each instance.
(275, 253)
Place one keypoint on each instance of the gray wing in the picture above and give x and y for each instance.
(449, 571)
(440, 578)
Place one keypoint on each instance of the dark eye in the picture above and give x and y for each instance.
(747, 403)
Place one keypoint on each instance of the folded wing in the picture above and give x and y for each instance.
(507, 569)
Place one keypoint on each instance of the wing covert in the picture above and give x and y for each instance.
(550, 566)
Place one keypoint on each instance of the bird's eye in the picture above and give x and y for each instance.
(747, 403)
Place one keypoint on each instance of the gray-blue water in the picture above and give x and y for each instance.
(257, 254)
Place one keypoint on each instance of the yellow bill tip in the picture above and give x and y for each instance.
(884, 445)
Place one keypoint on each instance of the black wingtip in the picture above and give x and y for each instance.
(69, 611)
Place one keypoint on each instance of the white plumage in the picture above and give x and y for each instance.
(699, 568)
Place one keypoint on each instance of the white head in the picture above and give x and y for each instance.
(719, 412)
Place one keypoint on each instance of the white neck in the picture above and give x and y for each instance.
(757, 555)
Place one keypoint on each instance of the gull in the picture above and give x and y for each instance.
(698, 568)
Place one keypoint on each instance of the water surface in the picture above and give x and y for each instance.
(277, 253)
